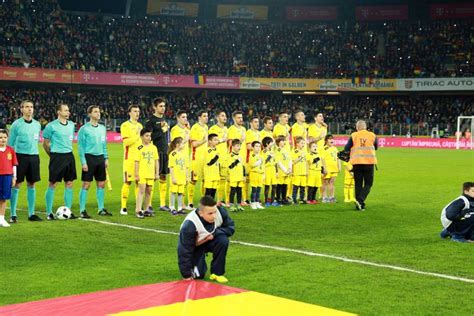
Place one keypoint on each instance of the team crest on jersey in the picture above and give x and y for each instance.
(36, 136)
(140, 147)
(9, 156)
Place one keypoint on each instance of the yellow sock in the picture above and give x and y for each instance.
(347, 196)
(151, 195)
(221, 190)
(227, 192)
(245, 192)
(163, 192)
(191, 188)
(351, 193)
(289, 190)
(125, 192)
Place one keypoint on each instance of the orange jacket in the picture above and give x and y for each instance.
(363, 150)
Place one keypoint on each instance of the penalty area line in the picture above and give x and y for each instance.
(303, 252)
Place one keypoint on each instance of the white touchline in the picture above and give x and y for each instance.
(302, 252)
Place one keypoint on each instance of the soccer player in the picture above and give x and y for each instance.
(270, 172)
(237, 131)
(318, 131)
(314, 180)
(24, 138)
(299, 129)
(236, 175)
(300, 170)
(8, 165)
(283, 163)
(199, 140)
(267, 130)
(220, 129)
(92, 144)
(256, 175)
(282, 128)
(58, 136)
(178, 164)
(130, 132)
(159, 127)
(211, 167)
(332, 166)
(147, 166)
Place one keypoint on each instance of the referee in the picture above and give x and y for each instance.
(159, 135)
(58, 136)
(92, 143)
(24, 138)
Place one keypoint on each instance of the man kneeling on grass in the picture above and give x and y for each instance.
(206, 229)
(458, 216)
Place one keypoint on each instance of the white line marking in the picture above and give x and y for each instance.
(306, 253)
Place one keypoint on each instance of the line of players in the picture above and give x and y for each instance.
(284, 160)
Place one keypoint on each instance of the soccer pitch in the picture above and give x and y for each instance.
(399, 229)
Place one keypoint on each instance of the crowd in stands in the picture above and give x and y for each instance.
(52, 38)
(421, 110)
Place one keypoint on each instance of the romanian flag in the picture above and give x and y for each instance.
(199, 79)
(190, 298)
(417, 70)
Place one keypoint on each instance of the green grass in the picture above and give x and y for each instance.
(400, 227)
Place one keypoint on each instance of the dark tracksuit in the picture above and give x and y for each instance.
(190, 255)
(462, 219)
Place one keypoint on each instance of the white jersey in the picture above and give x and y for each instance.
(444, 220)
(202, 232)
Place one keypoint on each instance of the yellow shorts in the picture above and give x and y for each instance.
(270, 177)
(256, 179)
(283, 180)
(177, 188)
(349, 181)
(197, 169)
(330, 175)
(299, 181)
(213, 184)
(129, 170)
(148, 182)
(314, 181)
(237, 184)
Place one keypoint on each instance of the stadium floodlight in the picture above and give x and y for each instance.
(459, 132)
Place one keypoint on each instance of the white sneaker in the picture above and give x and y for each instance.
(123, 211)
(188, 208)
(253, 206)
(3, 223)
(259, 205)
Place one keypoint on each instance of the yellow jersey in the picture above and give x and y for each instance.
(198, 133)
(299, 130)
(314, 163)
(238, 133)
(264, 133)
(256, 163)
(236, 167)
(250, 137)
(315, 131)
(146, 155)
(282, 130)
(180, 131)
(269, 160)
(178, 161)
(347, 170)
(130, 133)
(299, 167)
(329, 156)
(211, 165)
(282, 156)
(221, 147)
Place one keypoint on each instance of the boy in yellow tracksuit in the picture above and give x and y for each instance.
(283, 163)
(270, 171)
(314, 172)
(298, 158)
(349, 195)
(211, 167)
(256, 174)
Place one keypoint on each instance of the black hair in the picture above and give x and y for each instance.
(207, 200)
(266, 140)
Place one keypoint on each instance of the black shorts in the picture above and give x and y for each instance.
(96, 168)
(164, 170)
(62, 166)
(29, 167)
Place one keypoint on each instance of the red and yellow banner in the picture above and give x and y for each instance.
(292, 84)
(247, 12)
(158, 7)
(39, 75)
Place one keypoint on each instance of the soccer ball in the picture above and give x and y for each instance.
(63, 212)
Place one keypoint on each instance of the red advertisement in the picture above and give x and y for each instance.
(452, 11)
(403, 142)
(311, 13)
(117, 79)
(382, 13)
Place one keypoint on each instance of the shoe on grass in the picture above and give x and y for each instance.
(123, 211)
(84, 215)
(140, 215)
(3, 223)
(444, 234)
(34, 218)
(218, 278)
(50, 217)
(165, 208)
(13, 220)
(104, 212)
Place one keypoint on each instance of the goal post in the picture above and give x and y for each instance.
(462, 128)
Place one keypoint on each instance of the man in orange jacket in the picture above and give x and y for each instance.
(362, 146)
